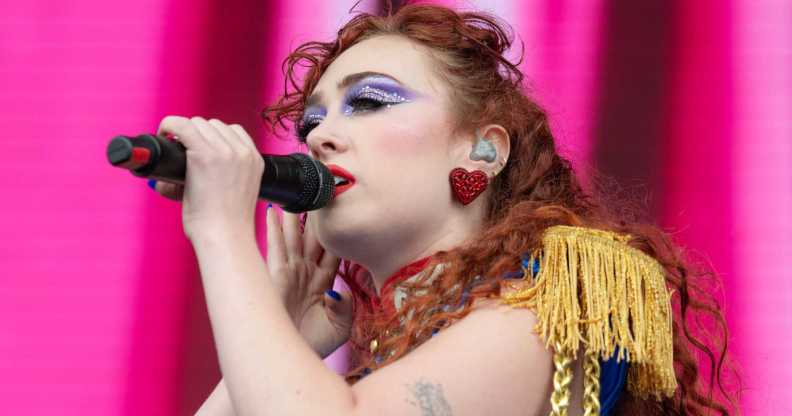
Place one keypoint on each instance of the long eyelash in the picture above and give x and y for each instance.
(375, 98)
(358, 100)
(303, 129)
(305, 126)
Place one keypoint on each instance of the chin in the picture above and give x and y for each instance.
(350, 239)
(338, 237)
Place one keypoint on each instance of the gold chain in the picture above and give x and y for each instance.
(591, 383)
(562, 378)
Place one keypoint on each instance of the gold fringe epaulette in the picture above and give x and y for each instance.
(594, 289)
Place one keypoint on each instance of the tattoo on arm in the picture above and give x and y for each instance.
(429, 398)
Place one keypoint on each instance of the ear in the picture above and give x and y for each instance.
(488, 150)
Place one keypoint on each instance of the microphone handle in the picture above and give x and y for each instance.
(149, 156)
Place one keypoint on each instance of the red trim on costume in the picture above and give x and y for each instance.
(360, 289)
(405, 272)
(386, 293)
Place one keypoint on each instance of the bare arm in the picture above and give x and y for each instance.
(514, 373)
(512, 368)
(218, 403)
(488, 363)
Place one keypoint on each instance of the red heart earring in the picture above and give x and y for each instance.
(468, 185)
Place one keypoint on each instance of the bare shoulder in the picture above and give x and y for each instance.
(489, 362)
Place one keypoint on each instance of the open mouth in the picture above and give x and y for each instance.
(340, 181)
(343, 179)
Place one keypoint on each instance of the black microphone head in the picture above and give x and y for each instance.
(318, 187)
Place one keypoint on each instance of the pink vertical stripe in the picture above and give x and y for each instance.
(561, 57)
(698, 175)
(699, 151)
(73, 75)
(760, 292)
(167, 284)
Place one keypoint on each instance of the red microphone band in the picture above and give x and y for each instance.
(140, 157)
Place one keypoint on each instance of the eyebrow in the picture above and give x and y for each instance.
(346, 82)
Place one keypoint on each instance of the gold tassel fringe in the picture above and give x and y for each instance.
(593, 288)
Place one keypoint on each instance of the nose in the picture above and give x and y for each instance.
(323, 143)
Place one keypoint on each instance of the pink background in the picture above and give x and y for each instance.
(102, 309)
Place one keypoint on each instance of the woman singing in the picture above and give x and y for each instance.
(485, 280)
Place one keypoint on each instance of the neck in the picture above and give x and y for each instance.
(391, 261)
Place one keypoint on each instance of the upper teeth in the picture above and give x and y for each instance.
(339, 179)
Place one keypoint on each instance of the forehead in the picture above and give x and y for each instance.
(396, 56)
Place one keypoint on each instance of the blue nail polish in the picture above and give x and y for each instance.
(269, 205)
(152, 183)
(333, 294)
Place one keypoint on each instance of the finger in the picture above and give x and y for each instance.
(328, 267)
(311, 247)
(341, 310)
(227, 132)
(213, 137)
(276, 246)
(292, 235)
(329, 262)
(338, 298)
(244, 136)
(184, 131)
(169, 190)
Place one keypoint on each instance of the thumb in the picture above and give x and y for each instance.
(340, 304)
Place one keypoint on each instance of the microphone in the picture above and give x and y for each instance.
(297, 182)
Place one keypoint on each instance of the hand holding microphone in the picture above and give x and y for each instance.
(222, 170)
(221, 174)
(297, 182)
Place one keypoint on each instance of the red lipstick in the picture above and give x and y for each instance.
(347, 179)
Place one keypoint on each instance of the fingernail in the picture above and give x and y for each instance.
(333, 294)
(152, 183)
(269, 205)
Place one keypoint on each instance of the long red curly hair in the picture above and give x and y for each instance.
(536, 189)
